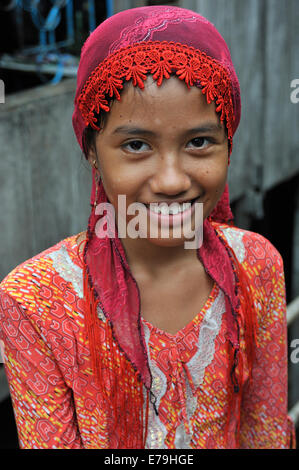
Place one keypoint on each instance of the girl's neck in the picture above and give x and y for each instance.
(144, 255)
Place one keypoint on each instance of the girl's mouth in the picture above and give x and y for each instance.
(173, 214)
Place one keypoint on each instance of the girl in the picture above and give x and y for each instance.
(137, 341)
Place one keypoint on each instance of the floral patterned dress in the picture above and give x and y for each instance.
(54, 395)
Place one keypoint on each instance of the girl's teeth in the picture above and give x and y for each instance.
(174, 209)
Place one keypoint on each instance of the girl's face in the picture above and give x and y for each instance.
(162, 144)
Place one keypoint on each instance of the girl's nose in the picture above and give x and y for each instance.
(170, 178)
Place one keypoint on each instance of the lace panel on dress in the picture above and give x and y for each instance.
(67, 269)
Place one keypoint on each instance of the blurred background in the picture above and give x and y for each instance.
(45, 180)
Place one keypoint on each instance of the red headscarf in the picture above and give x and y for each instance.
(160, 41)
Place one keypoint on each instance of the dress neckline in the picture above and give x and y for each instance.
(195, 321)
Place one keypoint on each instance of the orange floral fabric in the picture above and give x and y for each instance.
(57, 403)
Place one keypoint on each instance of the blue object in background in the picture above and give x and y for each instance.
(91, 15)
(109, 8)
(47, 27)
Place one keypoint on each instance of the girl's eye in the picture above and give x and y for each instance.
(198, 143)
(136, 146)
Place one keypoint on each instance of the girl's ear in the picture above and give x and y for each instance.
(91, 156)
(89, 145)
(93, 159)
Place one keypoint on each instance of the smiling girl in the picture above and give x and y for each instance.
(138, 342)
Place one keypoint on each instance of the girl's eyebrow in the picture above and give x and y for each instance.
(130, 130)
(207, 127)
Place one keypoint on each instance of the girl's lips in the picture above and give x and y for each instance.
(172, 219)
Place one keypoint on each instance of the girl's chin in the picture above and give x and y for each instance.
(166, 242)
(171, 238)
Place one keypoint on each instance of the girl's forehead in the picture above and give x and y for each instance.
(172, 101)
(152, 89)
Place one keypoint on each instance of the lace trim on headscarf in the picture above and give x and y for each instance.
(160, 59)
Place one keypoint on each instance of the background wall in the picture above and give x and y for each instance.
(44, 177)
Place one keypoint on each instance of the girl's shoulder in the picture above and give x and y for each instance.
(250, 247)
(52, 277)
(260, 260)
(263, 266)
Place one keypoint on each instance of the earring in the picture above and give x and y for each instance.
(97, 185)
(95, 164)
